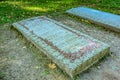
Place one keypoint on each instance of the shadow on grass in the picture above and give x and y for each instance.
(12, 11)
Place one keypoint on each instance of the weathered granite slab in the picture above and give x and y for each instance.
(71, 50)
(106, 19)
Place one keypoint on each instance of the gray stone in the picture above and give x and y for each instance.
(71, 50)
(106, 19)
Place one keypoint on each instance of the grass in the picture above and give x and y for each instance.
(12, 11)
(2, 75)
(15, 10)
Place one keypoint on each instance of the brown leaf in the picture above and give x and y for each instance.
(52, 65)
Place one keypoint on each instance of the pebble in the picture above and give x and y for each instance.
(24, 47)
(98, 67)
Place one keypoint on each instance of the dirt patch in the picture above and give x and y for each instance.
(20, 60)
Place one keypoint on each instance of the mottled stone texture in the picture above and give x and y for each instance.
(71, 50)
(106, 19)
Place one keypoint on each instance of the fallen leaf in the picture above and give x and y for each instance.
(52, 65)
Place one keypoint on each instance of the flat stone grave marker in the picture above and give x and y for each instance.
(108, 20)
(71, 50)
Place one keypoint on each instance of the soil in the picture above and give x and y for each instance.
(21, 60)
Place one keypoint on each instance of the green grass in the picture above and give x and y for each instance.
(15, 10)
(2, 75)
